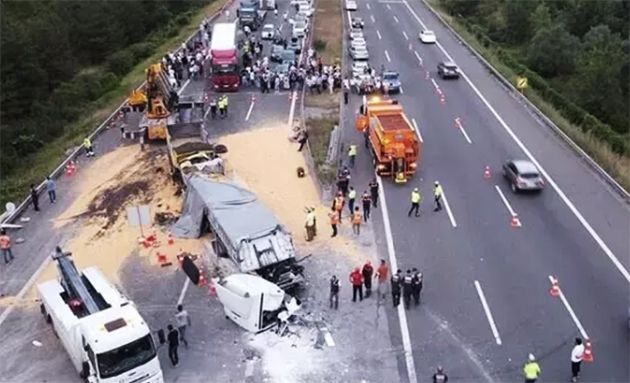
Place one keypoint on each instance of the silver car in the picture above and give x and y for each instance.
(523, 175)
(359, 53)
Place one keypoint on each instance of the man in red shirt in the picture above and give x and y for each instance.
(356, 278)
(382, 273)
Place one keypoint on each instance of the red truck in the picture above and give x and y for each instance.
(224, 52)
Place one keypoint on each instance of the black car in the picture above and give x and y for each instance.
(357, 22)
(276, 53)
(448, 70)
(295, 45)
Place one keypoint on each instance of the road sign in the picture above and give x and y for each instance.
(521, 82)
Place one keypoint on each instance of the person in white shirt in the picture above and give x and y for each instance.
(183, 321)
(577, 355)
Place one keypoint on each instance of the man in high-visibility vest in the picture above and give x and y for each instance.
(89, 151)
(352, 197)
(352, 154)
(357, 219)
(437, 194)
(5, 247)
(415, 203)
(310, 225)
(338, 204)
(334, 221)
(531, 370)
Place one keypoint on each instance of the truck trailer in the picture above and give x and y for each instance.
(251, 14)
(102, 331)
(390, 137)
(224, 62)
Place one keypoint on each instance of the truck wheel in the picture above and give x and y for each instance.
(42, 309)
(48, 319)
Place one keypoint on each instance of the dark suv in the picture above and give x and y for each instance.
(448, 70)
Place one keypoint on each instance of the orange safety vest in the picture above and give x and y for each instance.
(334, 218)
(357, 218)
(5, 242)
(338, 203)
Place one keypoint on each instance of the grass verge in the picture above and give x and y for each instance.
(328, 30)
(617, 166)
(319, 129)
(42, 163)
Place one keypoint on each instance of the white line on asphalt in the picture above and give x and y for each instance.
(505, 201)
(372, 17)
(418, 56)
(280, 29)
(368, 6)
(461, 128)
(435, 85)
(206, 114)
(401, 90)
(413, 120)
(349, 18)
(179, 92)
(486, 308)
(396, 18)
(531, 157)
(249, 112)
(387, 56)
(292, 110)
(388, 7)
(378, 34)
(448, 208)
(571, 312)
(25, 288)
(405, 34)
(184, 289)
(393, 265)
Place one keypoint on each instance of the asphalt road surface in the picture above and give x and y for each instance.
(486, 301)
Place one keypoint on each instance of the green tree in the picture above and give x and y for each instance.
(541, 18)
(553, 52)
(517, 21)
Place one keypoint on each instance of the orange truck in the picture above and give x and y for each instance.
(392, 139)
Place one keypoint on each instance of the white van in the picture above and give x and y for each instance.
(305, 9)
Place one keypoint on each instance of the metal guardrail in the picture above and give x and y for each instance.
(8, 218)
(538, 113)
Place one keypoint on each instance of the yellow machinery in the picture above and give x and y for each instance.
(157, 93)
(138, 99)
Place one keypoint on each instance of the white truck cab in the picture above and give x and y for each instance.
(105, 336)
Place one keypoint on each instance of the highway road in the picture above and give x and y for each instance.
(486, 301)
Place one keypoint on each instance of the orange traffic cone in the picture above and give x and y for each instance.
(202, 280)
(171, 241)
(588, 351)
(161, 258)
(442, 99)
(426, 75)
(555, 289)
(515, 222)
(146, 243)
(212, 290)
(486, 173)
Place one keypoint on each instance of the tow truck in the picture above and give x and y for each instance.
(102, 331)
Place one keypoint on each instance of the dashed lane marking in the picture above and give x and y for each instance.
(368, 6)
(505, 201)
(460, 126)
(405, 34)
(486, 308)
(418, 57)
(249, 112)
(183, 293)
(388, 7)
(378, 34)
(396, 19)
(413, 121)
(571, 312)
(587, 226)
(401, 90)
(451, 217)
(387, 56)
(372, 17)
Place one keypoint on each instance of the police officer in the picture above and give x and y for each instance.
(417, 285)
(334, 292)
(531, 370)
(395, 280)
(374, 192)
(440, 376)
(437, 194)
(367, 202)
(415, 202)
(213, 108)
(407, 284)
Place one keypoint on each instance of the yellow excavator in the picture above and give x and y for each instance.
(159, 98)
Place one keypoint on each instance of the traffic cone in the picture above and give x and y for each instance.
(146, 243)
(486, 173)
(555, 289)
(588, 351)
(426, 75)
(253, 97)
(442, 99)
(410, 47)
(171, 241)
(515, 222)
(202, 280)
(161, 258)
(212, 290)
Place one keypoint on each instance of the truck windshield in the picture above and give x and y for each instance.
(125, 358)
(224, 69)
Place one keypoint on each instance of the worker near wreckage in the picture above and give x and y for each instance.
(310, 224)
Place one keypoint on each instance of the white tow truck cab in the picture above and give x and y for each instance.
(102, 331)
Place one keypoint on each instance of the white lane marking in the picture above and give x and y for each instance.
(486, 308)
(206, 114)
(393, 264)
(387, 56)
(18, 298)
(435, 85)
(405, 34)
(349, 17)
(401, 90)
(505, 201)
(368, 6)
(179, 92)
(413, 120)
(531, 157)
(458, 122)
(280, 29)
(372, 17)
(388, 7)
(249, 112)
(396, 18)
(378, 34)
(418, 56)
(571, 312)
(329, 339)
(183, 293)
(448, 208)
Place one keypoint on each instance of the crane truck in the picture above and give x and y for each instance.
(102, 331)
(390, 137)
(224, 52)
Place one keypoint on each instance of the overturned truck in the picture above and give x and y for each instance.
(243, 229)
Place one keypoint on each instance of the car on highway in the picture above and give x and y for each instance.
(351, 5)
(448, 69)
(523, 175)
(358, 42)
(359, 53)
(355, 33)
(281, 68)
(392, 81)
(305, 10)
(268, 32)
(299, 29)
(357, 22)
(427, 37)
(288, 57)
(295, 45)
(298, 2)
(359, 68)
(300, 17)
(276, 53)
